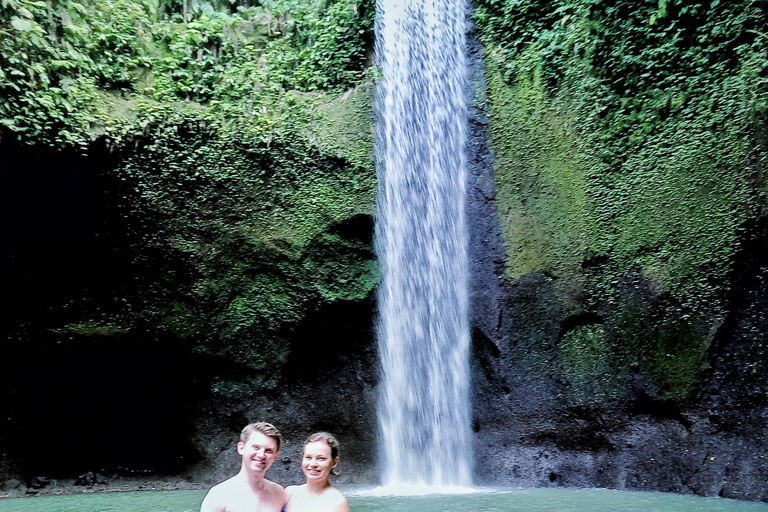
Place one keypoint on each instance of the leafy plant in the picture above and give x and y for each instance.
(59, 58)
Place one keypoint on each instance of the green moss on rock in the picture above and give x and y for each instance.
(590, 366)
(253, 210)
(242, 142)
(540, 179)
(624, 136)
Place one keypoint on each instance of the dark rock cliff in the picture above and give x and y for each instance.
(566, 392)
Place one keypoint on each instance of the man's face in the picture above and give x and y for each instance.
(258, 453)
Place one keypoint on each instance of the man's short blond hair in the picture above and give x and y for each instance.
(265, 428)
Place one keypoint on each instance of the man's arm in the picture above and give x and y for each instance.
(213, 501)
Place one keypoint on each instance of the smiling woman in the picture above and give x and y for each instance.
(321, 456)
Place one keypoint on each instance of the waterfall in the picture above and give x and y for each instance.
(421, 241)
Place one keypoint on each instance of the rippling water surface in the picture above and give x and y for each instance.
(527, 500)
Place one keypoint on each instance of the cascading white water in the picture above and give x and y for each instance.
(421, 241)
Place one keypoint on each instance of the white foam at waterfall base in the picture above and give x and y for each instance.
(421, 241)
(416, 490)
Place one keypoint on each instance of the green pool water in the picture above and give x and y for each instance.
(528, 500)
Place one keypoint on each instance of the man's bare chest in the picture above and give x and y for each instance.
(254, 505)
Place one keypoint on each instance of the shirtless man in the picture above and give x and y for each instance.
(249, 491)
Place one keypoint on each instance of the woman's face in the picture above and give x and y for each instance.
(317, 462)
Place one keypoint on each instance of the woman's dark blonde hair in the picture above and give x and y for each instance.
(330, 441)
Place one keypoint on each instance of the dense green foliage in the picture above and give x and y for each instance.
(59, 60)
(243, 139)
(627, 138)
(627, 135)
(255, 219)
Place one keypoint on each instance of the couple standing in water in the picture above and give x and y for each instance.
(249, 491)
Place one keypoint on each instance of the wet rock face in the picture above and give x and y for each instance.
(543, 418)
(733, 397)
(90, 479)
(329, 385)
(486, 248)
(529, 431)
(39, 482)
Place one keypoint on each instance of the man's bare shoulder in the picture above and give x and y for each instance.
(225, 487)
(215, 500)
(275, 488)
(234, 481)
(224, 496)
